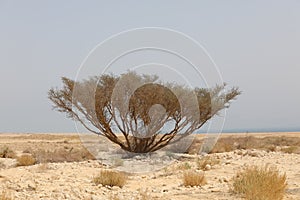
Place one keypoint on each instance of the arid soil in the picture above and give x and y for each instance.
(61, 175)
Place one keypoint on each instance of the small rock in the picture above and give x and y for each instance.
(115, 188)
(207, 167)
(31, 186)
(236, 145)
(227, 162)
(277, 149)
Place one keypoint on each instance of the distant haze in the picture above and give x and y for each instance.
(256, 45)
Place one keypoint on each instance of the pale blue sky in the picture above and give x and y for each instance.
(256, 45)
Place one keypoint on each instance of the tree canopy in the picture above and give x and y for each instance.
(138, 112)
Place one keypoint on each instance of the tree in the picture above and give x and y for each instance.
(140, 108)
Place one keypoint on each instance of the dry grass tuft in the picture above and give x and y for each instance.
(25, 160)
(184, 166)
(110, 178)
(269, 143)
(63, 155)
(207, 160)
(43, 167)
(143, 194)
(290, 149)
(114, 197)
(260, 183)
(6, 152)
(192, 178)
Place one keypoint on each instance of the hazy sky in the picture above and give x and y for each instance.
(256, 45)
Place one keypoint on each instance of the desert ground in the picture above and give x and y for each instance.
(63, 169)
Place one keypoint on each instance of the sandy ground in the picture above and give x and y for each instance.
(73, 180)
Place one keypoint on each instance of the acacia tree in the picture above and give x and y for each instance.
(147, 113)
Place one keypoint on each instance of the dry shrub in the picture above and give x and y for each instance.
(110, 178)
(269, 143)
(192, 178)
(184, 166)
(195, 147)
(291, 149)
(270, 148)
(6, 152)
(114, 197)
(25, 160)
(281, 141)
(227, 144)
(43, 167)
(207, 160)
(28, 150)
(223, 146)
(143, 195)
(63, 155)
(260, 183)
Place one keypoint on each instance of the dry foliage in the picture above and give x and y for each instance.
(110, 178)
(290, 149)
(193, 178)
(107, 105)
(260, 183)
(25, 160)
(268, 143)
(6, 152)
(184, 166)
(206, 160)
(62, 155)
(43, 167)
(143, 195)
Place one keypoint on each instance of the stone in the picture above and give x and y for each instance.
(208, 167)
(277, 149)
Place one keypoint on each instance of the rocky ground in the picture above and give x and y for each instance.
(74, 180)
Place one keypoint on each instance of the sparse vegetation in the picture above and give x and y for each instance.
(28, 150)
(268, 143)
(206, 160)
(94, 104)
(62, 155)
(193, 178)
(184, 166)
(25, 160)
(110, 178)
(260, 183)
(290, 149)
(6, 152)
(42, 167)
(143, 195)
